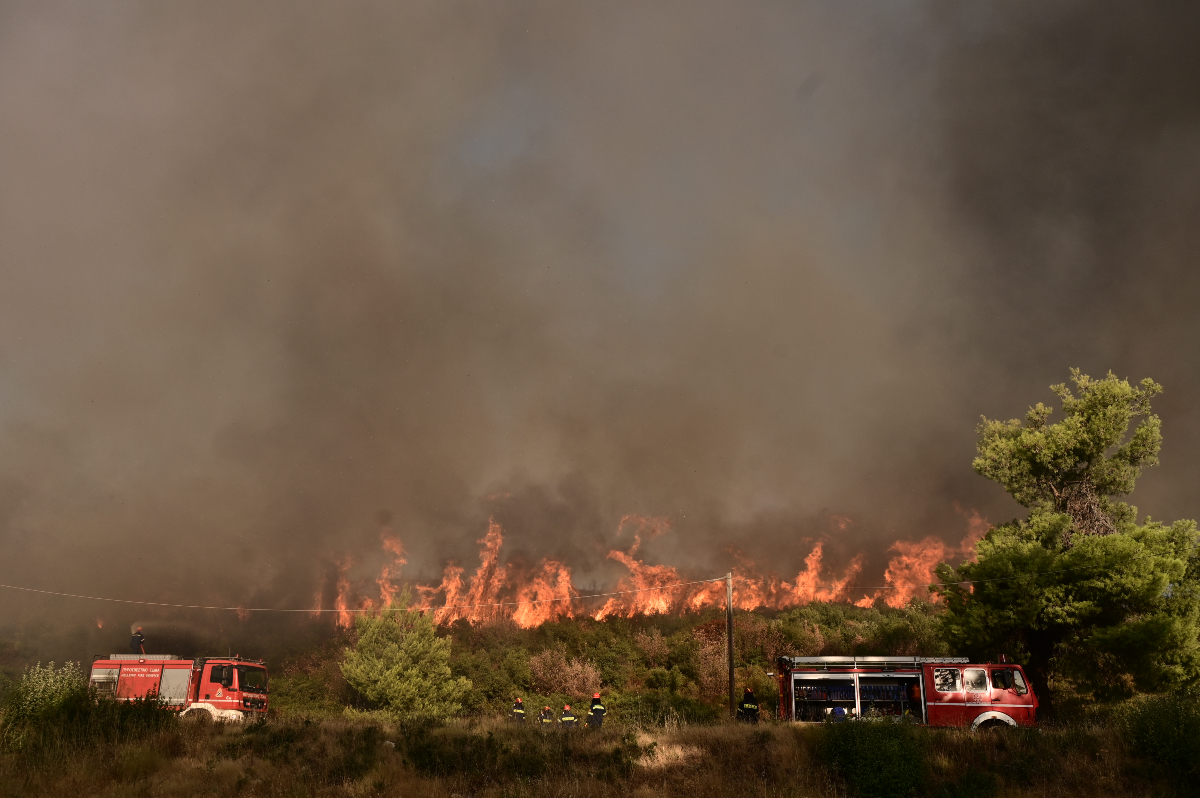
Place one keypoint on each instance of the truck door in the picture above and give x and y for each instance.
(978, 691)
(218, 687)
(944, 696)
(1011, 695)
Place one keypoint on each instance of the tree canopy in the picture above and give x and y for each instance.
(1079, 589)
(401, 665)
(1076, 465)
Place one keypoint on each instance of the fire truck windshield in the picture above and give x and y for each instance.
(252, 679)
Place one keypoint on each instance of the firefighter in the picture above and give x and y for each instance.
(518, 712)
(546, 716)
(568, 717)
(595, 717)
(748, 709)
(137, 643)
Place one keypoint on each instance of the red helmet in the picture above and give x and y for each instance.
(567, 706)
(518, 700)
(597, 695)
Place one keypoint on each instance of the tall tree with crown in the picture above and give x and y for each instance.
(1079, 590)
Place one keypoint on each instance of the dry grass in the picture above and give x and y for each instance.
(491, 758)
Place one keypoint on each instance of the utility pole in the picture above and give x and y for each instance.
(729, 642)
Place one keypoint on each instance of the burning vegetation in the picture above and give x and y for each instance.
(530, 597)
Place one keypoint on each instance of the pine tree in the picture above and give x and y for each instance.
(402, 666)
(1079, 589)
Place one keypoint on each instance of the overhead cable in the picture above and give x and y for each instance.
(840, 588)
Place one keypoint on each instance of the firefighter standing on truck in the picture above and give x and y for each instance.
(137, 643)
(518, 712)
(748, 709)
(568, 717)
(595, 717)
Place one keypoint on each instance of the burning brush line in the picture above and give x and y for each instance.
(498, 591)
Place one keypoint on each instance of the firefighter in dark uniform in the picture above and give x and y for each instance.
(137, 643)
(546, 716)
(518, 712)
(568, 717)
(748, 709)
(595, 717)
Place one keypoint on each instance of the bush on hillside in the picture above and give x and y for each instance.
(659, 708)
(402, 666)
(819, 628)
(52, 711)
(877, 759)
(1165, 729)
(554, 673)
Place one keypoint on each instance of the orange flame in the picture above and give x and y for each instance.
(546, 595)
(530, 598)
(99, 623)
(345, 618)
(392, 545)
(912, 569)
(488, 581)
(450, 588)
(654, 596)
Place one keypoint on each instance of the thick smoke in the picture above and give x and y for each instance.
(276, 274)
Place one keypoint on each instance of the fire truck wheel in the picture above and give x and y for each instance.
(991, 721)
(197, 715)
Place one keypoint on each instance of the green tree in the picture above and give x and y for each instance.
(1079, 589)
(401, 665)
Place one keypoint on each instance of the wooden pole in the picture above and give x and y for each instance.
(729, 642)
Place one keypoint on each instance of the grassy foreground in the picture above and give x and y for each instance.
(345, 757)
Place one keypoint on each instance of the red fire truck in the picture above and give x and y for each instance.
(937, 691)
(227, 688)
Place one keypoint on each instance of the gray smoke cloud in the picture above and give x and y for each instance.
(270, 271)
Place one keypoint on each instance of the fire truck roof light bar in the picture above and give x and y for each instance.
(158, 657)
(852, 661)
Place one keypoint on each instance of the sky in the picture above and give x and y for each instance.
(275, 274)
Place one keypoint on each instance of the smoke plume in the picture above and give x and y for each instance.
(282, 282)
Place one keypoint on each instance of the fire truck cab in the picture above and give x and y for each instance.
(936, 691)
(226, 688)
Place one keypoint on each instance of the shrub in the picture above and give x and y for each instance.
(52, 711)
(554, 673)
(877, 759)
(401, 665)
(653, 646)
(326, 753)
(1166, 729)
(41, 694)
(519, 753)
(654, 708)
(44, 689)
(712, 666)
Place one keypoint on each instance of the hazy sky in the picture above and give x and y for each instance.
(269, 269)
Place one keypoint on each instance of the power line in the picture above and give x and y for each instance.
(450, 606)
(579, 597)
